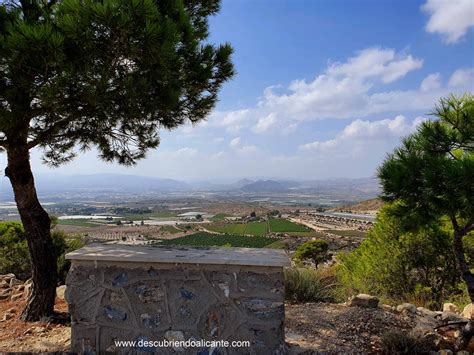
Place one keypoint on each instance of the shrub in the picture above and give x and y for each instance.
(63, 245)
(401, 265)
(14, 255)
(314, 250)
(397, 342)
(309, 284)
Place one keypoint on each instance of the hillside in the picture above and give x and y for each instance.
(365, 207)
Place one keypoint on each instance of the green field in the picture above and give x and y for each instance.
(256, 228)
(219, 217)
(208, 239)
(260, 228)
(78, 222)
(231, 228)
(283, 225)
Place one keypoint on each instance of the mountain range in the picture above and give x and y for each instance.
(51, 184)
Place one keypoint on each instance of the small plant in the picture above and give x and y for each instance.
(314, 250)
(397, 342)
(309, 285)
(14, 255)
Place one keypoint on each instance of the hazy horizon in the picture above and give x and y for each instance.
(333, 99)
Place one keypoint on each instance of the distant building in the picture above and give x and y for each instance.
(233, 218)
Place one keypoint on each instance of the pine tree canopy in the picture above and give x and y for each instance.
(107, 74)
(432, 173)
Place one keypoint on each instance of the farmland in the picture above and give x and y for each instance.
(233, 228)
(256, 228)
(229, 240)
(259, 228)
(219, 217)
(283, 225)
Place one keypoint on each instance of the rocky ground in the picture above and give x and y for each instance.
(334, 328)
(312, 328)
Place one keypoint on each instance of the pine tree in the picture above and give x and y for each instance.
(109, 74)
(432, 177)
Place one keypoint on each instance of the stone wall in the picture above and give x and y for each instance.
(154, 301)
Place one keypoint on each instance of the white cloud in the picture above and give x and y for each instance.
(265, 123)
(431, 82)
(450, 18)
(362, 133)
(381, 64)
(344, 90)
(235, 143)
(233, 121)
(462, 78)
(321, 146)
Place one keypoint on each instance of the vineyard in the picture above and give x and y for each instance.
(229, 240)
(284, 225)
(259, 228)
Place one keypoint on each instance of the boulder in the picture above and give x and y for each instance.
(387, 308)
(363, 300)
(451, 317)
(450, 307)
(60, 292)
(425, 312)
(407, 308)
(468, 311)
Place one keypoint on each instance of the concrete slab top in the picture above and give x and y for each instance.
(181, 255)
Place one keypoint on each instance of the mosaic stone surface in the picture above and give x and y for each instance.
(133, 301)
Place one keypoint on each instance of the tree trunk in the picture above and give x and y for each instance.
(37, 224)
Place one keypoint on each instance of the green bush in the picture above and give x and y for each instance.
(314, 250)
(64, 244)
(14, 255)
(309, 285)
(399, 265)
(397, 342)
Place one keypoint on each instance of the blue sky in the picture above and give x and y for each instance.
(323, 89)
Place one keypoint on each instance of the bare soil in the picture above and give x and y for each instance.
(49, 335)
(336, 328)
(310, 328)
